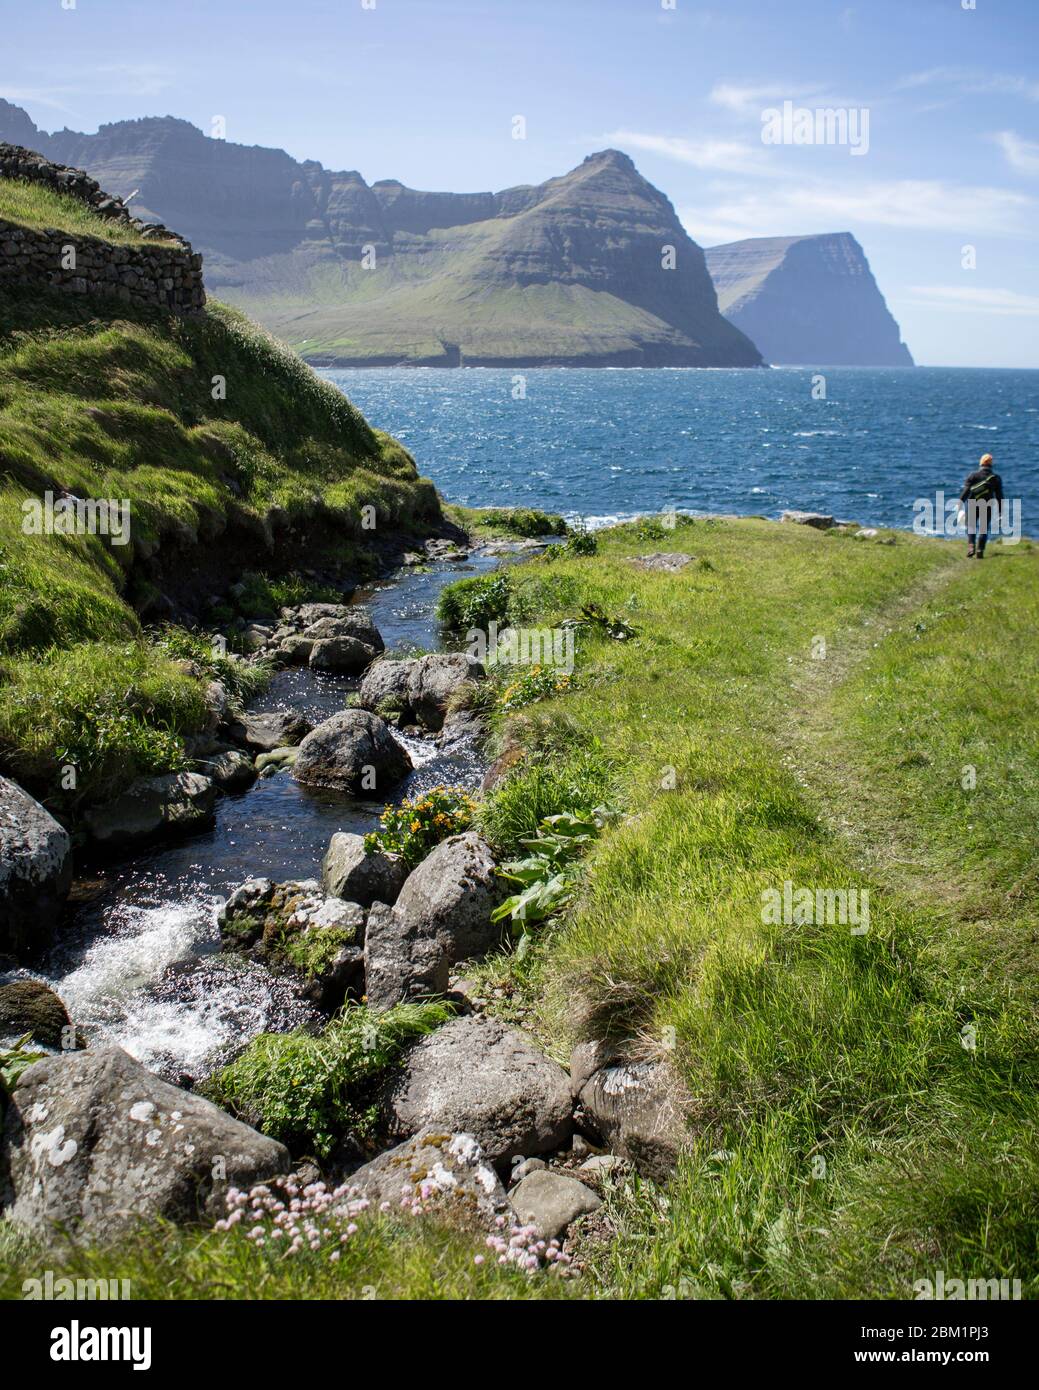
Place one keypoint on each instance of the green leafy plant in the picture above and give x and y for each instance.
(535, 683)
(546, 877)
(474, 603)
(581, 543)
(241, 679)
(13, 1061)
(592, 616)
(415, 827)
(312, 1089)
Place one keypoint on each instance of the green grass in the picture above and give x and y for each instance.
(37, 207)
(506, 523)
(743, 761)
(124, 408)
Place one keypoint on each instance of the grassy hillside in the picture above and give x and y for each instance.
(233, 456)
(793, 706)
(33, 205)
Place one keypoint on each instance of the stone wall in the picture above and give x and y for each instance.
(166, 274)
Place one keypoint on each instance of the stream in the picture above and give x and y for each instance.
(139, 966)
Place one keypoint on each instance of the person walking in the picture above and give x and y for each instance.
(982, 499)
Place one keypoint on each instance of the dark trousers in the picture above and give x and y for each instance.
(982, 541)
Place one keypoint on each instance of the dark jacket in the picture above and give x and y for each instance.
(983, 485)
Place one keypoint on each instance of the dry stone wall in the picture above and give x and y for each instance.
(166, 274)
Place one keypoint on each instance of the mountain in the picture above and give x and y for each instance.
(566, 272)
(810, 300)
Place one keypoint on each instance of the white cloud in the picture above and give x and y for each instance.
(965, 80)
(965, 299)
(1022, 155)
(827, 206)
(726, 156)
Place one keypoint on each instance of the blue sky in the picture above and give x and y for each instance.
(426, 91)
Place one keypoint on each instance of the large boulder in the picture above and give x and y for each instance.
(550, 1202)
(477, 1075)
(445, 1173)
(634, 1109)
(384, 689)
(92, 1142)
(30, 1006)
(230, 769)
(432, 681)
(352, 752)
(35, 871)
(346, 641)
(348, 871)
(819, 520)
(442, 916)
(276, 729)
(174, 803)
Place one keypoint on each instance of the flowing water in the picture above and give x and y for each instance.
(140, 964)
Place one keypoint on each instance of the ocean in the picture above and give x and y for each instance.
(607, 445)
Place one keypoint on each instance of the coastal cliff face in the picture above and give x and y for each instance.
(807, 300)
(574, 271)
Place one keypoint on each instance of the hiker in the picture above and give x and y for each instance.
(982, 498)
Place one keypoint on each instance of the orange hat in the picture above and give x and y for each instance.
(987, 461)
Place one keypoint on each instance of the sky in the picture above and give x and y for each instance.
(943, 196)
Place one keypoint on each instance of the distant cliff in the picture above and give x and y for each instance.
(571, 271)
(810, 299)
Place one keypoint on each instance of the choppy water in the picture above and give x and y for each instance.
(139, 965)
(608, 445)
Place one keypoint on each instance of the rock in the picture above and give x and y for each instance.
(296, 926)
(349, 622)
(399, 963)
(295, 651)
(461, 729)
(446, 1172)
(475, 1074)
(230, 770)
(29, 1006)
(92, 1142)
(550, 1202)
(605, 1163)
(528, 1165)
(173, 803)
(442, 916)
(353, 751)
(384, 688)
(866, 533)
(276, 759)
(348, 872)
(432, 681)
(819, 520)
(218, 704)
(634, 1110)
(35, 871)
(662, 561)
(452, 893)
(266, 732)
(343, 654)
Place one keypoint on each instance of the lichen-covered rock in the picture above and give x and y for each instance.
(432, 681)
(276, 760)
(550, 1202)
(170, 804)
(477, 1075)
(352, 752)
(296, 927)
(35, 871)
(347, 622)
(819, 520)
(443, 1171)
(384, 689)
(30, 1006)
(92, 1142)
(442, 916)
(348, 871)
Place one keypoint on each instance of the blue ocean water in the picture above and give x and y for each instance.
(606, 445)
